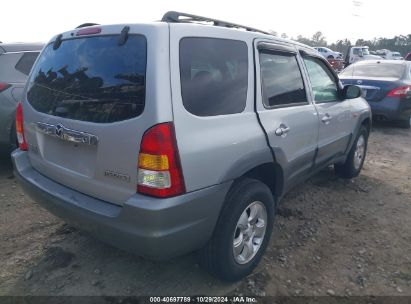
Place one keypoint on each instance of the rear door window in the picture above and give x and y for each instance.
(281, 79)
(91, 79)
(214, 75)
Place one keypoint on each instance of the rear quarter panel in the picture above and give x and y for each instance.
(218, 148)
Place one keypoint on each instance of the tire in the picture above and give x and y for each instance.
(406, 123)
(218, 256)
(352, 166)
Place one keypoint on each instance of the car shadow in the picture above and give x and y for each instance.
(6, 167)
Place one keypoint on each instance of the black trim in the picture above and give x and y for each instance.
(57, 42)
(123, 35)
(179, 17)
(86, 25)
(265, 46)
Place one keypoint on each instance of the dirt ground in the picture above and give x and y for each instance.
(331, 237)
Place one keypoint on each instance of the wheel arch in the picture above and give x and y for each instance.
(270, 174)
(261, 165)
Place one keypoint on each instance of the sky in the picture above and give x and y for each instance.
(35, 21)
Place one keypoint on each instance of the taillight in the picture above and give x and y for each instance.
(400, 92)
(4, 86)
(159, 166)
(20, 128)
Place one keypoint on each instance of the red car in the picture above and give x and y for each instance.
(337, 64)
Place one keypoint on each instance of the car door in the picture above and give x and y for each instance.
(285, 112)
(335, 116)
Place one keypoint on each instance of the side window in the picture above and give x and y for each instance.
(26, 62)
(214, 75)
(324, 87)
(356, 51)
(281, 79)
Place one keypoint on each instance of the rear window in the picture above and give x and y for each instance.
(91, 79)
(377, 70)
(26, 62)
(214, 75)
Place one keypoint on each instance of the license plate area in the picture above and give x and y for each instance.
(78, 158)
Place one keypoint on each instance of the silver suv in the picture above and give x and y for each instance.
(16, 60)
(175, 136)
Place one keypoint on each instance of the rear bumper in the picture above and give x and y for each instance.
(392, 108)
(150, 227)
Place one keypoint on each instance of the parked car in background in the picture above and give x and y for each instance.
(394, 56)
(328, 53)
(150, 136)
(387, 54)
(334, 58)
(359, 53)
(386, 85)
(16, 61)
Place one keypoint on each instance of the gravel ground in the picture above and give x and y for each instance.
(331, 237)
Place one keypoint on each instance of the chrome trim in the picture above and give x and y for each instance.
(368, 87)
(20, 52)
(67, 134)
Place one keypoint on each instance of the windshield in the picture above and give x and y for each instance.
(91, 79)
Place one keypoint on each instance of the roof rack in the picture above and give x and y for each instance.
(179, 17)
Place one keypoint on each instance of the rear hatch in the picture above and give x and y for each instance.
(375, 78)
(88, 108)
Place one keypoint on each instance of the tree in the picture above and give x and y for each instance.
(272, 32)
(319, 39)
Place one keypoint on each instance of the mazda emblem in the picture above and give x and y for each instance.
(59, 130)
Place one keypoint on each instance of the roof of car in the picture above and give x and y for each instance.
(20, 47)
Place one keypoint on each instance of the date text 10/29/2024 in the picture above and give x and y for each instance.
(204, 299)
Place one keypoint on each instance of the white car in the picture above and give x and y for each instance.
(394, 56)
(387, 54)
(327, 53)
(359, 53)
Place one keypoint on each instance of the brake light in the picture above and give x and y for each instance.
(20, 128)
(400, 92)
(89, 31)
(159, 166)
(4, 86)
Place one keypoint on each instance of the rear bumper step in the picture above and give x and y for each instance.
(150, 227)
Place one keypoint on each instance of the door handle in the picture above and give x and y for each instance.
(326, 119)
(282, 130)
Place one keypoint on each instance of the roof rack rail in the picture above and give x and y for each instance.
(179, 17)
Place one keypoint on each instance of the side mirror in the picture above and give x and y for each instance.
(351, 92)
